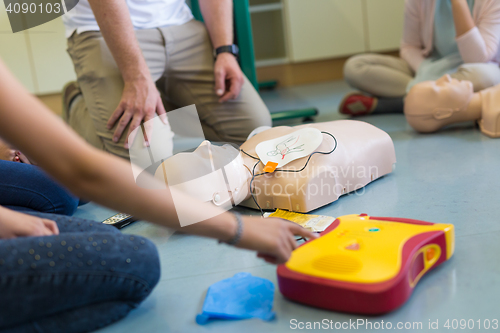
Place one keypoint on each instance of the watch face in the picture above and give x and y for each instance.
(235, 49)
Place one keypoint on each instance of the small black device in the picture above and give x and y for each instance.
(120, 220)
(233, 49)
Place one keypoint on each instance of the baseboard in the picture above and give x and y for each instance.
(53, 102)
(306, 72)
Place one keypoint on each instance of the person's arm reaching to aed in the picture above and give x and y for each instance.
(140, 100)
(218, 17)
(109, 181)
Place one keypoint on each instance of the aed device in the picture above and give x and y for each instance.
(364, 264)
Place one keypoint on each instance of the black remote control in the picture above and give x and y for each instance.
(120, 220)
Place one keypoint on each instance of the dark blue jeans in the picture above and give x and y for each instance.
(25, 187)
(87, 277)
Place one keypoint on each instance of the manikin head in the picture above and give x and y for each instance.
(431, 105)
(211, 173)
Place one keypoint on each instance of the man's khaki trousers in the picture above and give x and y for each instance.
(180, 59)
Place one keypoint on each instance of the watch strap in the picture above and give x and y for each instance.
(239, 231)
(233, 49)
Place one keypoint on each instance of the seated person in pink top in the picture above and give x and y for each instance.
(456, 37)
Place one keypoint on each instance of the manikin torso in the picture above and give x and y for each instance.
(489, 103)
(363, 154)
(432, 105)
(223, 175)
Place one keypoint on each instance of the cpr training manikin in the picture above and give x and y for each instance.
(431, 105)
(305, 167)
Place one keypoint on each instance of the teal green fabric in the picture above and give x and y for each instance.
(445, 57)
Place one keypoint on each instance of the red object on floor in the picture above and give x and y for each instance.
(357, 104)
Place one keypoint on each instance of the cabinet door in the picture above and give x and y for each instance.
(318, 29)
(384, 24)
(14, 51)
(53, 66)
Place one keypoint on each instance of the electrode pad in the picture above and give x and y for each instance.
(288, 148)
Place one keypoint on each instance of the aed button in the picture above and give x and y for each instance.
(374, 229)
(430, 253)
(342, 233)
(353, 247)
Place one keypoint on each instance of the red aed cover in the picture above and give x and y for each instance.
(360, 298)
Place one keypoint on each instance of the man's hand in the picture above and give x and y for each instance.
(272, 238)
(14, 224)
(140, 98)
(228, 77)
(140, 101)
(218, 16)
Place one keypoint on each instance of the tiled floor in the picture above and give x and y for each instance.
(449, 177)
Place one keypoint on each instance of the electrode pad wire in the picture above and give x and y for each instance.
(244, 152)
(277, 170)
(251, 189)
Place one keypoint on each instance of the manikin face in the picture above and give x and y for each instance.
(453, 88)
(444, 93)
(437, 101)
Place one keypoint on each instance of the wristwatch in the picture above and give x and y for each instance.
(239, 231)
(233, 49)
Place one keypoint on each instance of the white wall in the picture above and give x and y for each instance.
(319, 29)
(37, 57)
(315, 29)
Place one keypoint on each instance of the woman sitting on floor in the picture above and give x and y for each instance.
(62, 274)
(24, 187)
(456, 37)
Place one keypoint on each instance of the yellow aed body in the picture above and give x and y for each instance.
(365, 264)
